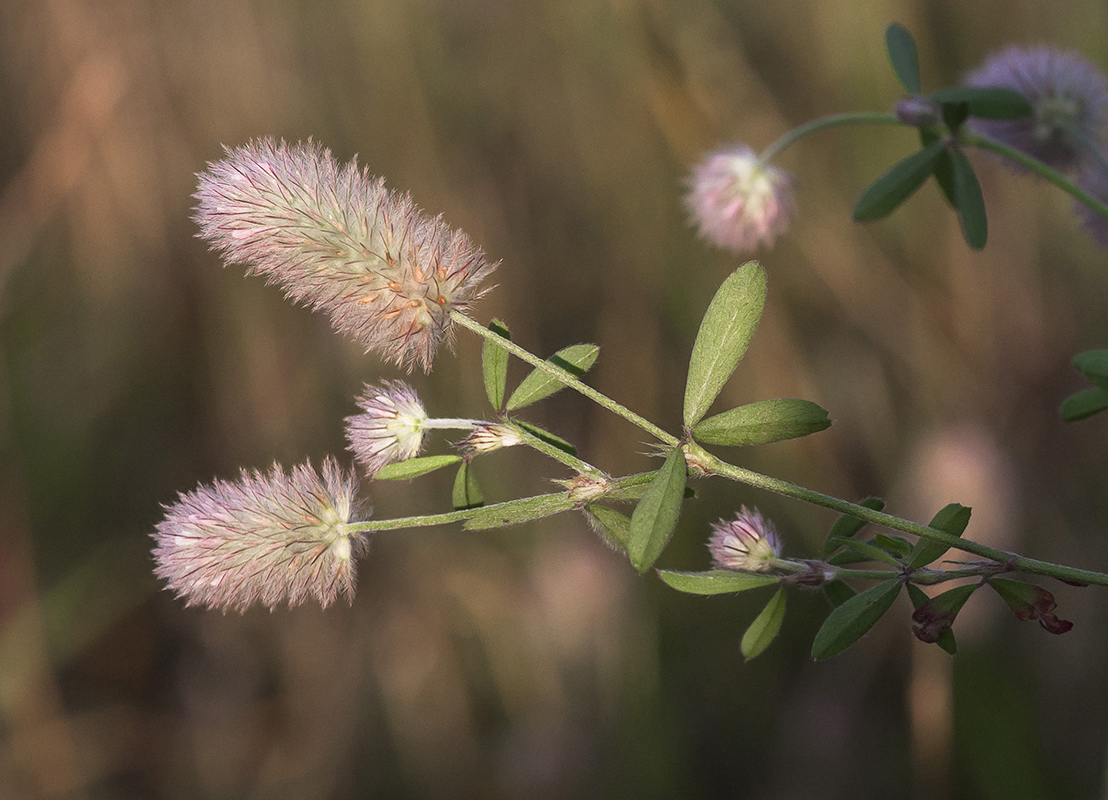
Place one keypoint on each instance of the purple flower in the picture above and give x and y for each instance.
(337, 240)
(737, 202)
(265, 538)
(1094, 180)
(748, 543)
(1069, 97)
(390, 427)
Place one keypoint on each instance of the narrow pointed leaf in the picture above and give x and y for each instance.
(655, 516)
(765, 627)
(902, 55)
(987, 102)
(575, 359)
(716, 581)
(954, 114)
(896, 546)
(895, 185)
(515, 512)
(953, 519)
(613, 526)
(467, 494)
(848, 622)
(846, 526)
(944, 176)
(723, 337)
(1094, 363)
(1084, 404)
(546, 436)
(762, 422)
(969, 201)
(414, 467)
(494, 365)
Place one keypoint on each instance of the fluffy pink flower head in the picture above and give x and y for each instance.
(264, 538)
(338, 241)
(1094, 180)
(390, 427)
(748, 543)
(1069, 97)
(737, 202)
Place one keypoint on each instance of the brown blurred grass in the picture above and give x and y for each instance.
(557, 134)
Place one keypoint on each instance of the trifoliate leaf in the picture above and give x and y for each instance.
(952, 519)
(969, 201)
(716, 581)
(987, 102)
(494, 365)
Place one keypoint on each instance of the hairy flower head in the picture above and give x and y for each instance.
(337, 240)
(267, 537)
(1068, 95)
(737, 202)
(747, 543)
(489, 436)
(390, 427)
(1094, 180)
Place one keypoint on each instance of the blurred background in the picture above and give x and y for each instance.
(529, 662)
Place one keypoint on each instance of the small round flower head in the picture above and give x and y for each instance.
(748, 542)
(1068, 95)
(390, 427)
(489, 436)
(737, 202)
(1094, 180)
(265, 538)
(337, 240)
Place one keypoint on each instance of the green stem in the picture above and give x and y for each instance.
(1049, 173)
(823, 123)
(563, 377)
(1017, 563)
(558, 454)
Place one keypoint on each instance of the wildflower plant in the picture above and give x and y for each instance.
(400, 282)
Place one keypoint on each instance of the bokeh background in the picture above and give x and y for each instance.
(530, 662)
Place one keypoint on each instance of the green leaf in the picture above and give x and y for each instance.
(494, 365)
(946, 641)
(847, 623)
(866, 551)
(613, 526)
(969, 201)
(762, 422)
(895, 185)
(902, 55)
(838, 592)
(575, 359)
(765, 626)
(944, 176)
(515, 512)
(1084, 404)
(896, 546)
(1094, 363)
(716, 581)
(546, 436)
(987, 102)
(467, 494)
(846, 526)
(414, 467)
(954, 114)
(723, 337)
(655, 516)
(952, 519)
